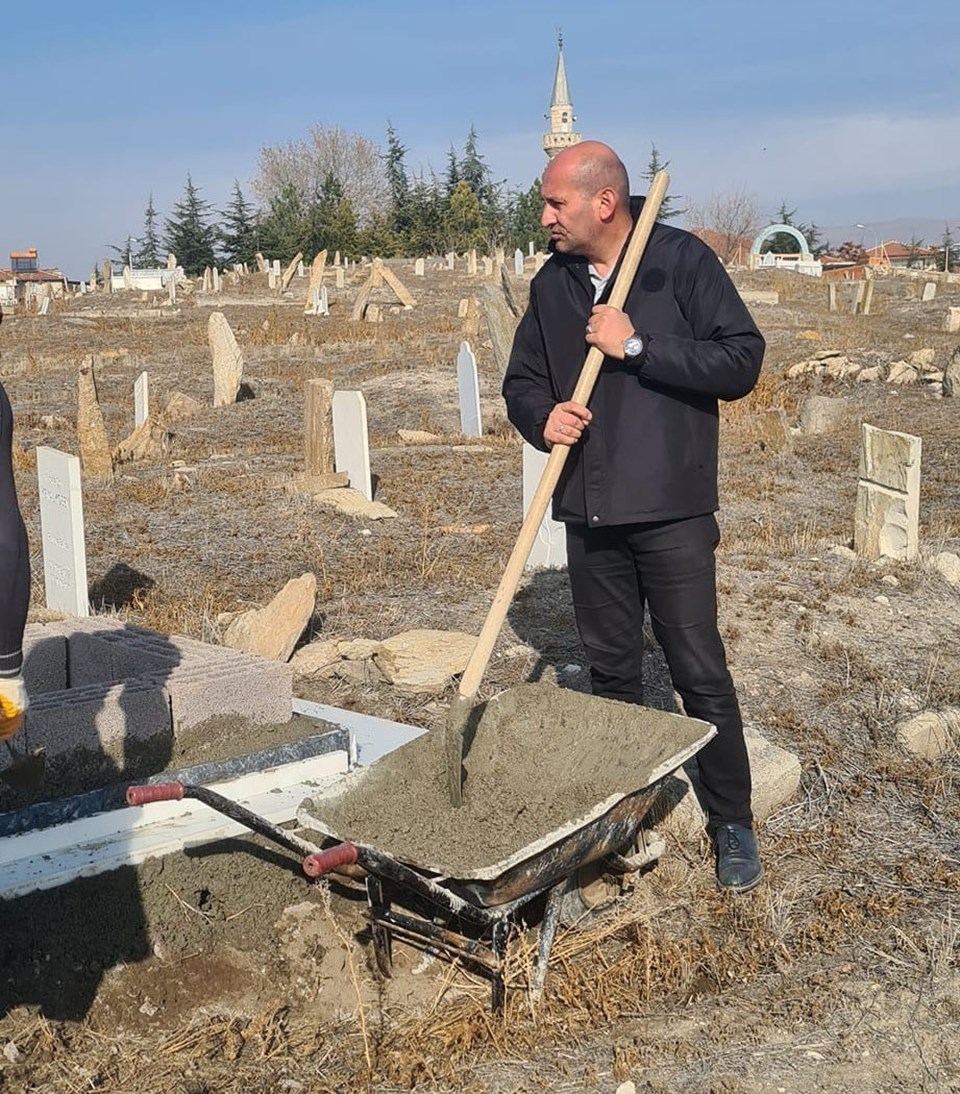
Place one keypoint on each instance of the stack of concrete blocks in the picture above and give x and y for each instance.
(116, 697)
(887, 517)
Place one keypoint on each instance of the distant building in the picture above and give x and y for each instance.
(25, 280)
(561, 116)
(904, 255)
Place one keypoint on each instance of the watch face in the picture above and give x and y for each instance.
(633, 347)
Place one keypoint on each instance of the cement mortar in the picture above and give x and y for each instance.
(542, 758)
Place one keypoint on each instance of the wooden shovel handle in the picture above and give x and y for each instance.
(477, 664)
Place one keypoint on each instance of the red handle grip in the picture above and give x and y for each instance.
(161, 792)
(344, 854)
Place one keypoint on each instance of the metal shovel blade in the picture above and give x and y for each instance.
(26, 769)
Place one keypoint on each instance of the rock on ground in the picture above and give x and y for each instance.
(272, 632)
(947, 564)
(421, 662)
(316, 659)
(352, 503)
(931, 733)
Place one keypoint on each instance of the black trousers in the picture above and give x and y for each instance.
(614, 572)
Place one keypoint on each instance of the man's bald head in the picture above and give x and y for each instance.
(592, 166)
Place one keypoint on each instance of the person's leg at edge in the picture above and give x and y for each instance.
(677, 569)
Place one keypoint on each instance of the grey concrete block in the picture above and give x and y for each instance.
(44, 661)
(109, 657)
(111, 726)
(198, 693)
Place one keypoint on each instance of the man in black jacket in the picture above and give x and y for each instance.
(14, 583)
(638, 492)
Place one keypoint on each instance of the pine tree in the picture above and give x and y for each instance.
(464, 222)
(285, 227)
(398, 183)
(478, 177)
(668, 207)
(239, 229)
(523, 219)
(149, 254)
(331, 221)
(453, 175)
(190, 235)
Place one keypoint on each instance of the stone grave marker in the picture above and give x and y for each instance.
(141, 399)
(127, 277)
(518, 262)
(172, 286)
(207, 280)
(276, 268)
(261, 263)
(300, 268)
(215, 275)
(831, 296)
(487, 266)
(419, 268)
(468, 386)
(61, 532)
(171, 262)
(472, 262)
(550, 547)
(336, 258)
(323, 301)
(271, 279)
(929, 292)
(107, 275)
(351, 443)
(530, 251)
(886, 522)
(318, 428)
(227, 360)
(339, 275)
(451, 259)
(317, 268)
(951, 322)
(44, 306)
(91, 431)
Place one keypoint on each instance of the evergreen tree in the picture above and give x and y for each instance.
(784, 244)
(284, 229)
(523, 219)
(428, 207)
(331, 221)
(239, 229)
(149, 254)
(398, 183)
(668, 207)
(464, 223)
(948, 253)
(453, 175)
(190, 235)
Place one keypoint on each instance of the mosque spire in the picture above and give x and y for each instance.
(561, 116)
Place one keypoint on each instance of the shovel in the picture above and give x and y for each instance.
(461, 708)
(26, 769)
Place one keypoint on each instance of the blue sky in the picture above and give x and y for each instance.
(849, 109)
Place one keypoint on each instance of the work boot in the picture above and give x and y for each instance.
(738, 858)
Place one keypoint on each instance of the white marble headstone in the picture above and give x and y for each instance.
(451, 258)
(172, 286)
(550, 547)
(141, 399)
(351, 444)
(530, 250)
(323, 301)
(419, 267)
(468, 385)
(61, 532)
(277, 272)
(339, 275)
(518, 262)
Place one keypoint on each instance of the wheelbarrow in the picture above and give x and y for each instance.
(435, 896)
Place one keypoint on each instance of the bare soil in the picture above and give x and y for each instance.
(224, 970)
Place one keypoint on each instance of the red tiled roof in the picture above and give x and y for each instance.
(31, 275)
(893, 248)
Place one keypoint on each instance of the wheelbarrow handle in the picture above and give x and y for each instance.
(322, 862)
(160, 792)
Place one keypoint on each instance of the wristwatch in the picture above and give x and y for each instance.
(633, 346)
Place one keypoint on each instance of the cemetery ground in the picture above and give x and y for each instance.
(839, 972)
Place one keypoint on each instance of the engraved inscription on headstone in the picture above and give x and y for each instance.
(61, 532)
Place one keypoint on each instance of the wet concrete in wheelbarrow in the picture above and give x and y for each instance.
(543, 761)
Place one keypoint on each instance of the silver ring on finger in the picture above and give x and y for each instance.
(561, 428)
(589, 329)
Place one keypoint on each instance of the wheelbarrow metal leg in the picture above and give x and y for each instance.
(382, 940)
(548, 932)
(499, 945)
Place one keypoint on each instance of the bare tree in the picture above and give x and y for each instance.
(354, 160)
(732, 218)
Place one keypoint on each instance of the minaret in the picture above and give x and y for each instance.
(561, 116)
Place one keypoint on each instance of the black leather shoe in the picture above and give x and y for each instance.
(738, 858)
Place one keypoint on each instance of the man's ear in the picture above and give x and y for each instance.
(607, 204)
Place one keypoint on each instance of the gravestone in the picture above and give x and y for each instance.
(451, 258)
(227, 360)
(336, 258)
(91, 431)
(289, 271)
(61, 532)
(929, 292)
(107, 275)
(831, 296)
(550, 547)
(351, 443)
(172, 286)
(300, 268)
(317, 268)
(323, 303)
(44, 306)
(171, 262)
(419, 268)
(468, 386)
(141, 399)
(339, 274)
(487, 266)
(127, 277)
(530, 249)
(207, 281)
(886, 522)
(276, 268)
(271, 279)
(261, 263)
(318, 428)
(518, 262)
(951, 322)
(472, 262)
(215, 272)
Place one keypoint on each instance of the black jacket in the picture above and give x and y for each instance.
(14, 561)
(650, 452)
